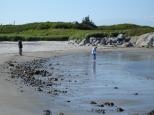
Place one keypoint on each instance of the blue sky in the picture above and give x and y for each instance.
(102, 12)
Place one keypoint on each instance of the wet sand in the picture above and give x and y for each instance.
(17, 98)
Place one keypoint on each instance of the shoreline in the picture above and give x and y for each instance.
(34, 104)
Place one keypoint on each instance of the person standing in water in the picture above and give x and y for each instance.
(20, 47)
(93, 52)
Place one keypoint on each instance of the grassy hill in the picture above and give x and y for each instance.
(65, 30)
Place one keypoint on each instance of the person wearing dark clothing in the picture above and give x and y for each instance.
(20, 47)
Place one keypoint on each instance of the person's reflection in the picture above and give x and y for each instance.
(94, 68)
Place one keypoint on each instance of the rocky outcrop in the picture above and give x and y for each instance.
(146, 40)
(120, 40)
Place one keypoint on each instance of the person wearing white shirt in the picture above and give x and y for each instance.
(93, 52)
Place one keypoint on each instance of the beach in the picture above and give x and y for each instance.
(80, 81)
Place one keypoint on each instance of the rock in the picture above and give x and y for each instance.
(127, 39)
(49, 84)
(93, 102)
(136, 94)
(84, 42)
(99, 111)
(109, 104)
(146, 40)
(103, 41)
(133, 40)
(101, 105)
(21, 91)
(11, 64)
(120, 36)
(64, 91)
(37, 72)
(56, 79)
(61, 113)
(151, 113)
(39, 89)
(72, 42)
(47, 112)
(120, 109)
(110, 41)
(116, 88)
(127, 44)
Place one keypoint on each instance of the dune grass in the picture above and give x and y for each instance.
(54, 31)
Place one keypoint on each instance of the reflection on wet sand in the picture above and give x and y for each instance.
(94, 68)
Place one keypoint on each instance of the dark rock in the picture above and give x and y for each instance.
(11, 64)
(120, 109)
(116, 88)
(47, 112)
(99, 111)
(109, 104)
(136, 94)
(127, 44)
(64, 91)
(68, 101)
(56, 79)
(21, 91)
(101, 105)
(49, 84)
(62, 79)
(55, 90)
(93, 102)
(39, 89)
(50, 64)
(37, 72)
(151, 113)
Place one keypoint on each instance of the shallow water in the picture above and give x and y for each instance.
(87, 80)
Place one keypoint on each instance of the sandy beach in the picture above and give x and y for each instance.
(19, 99)
(12, 101)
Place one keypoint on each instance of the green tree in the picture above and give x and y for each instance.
(89, 23)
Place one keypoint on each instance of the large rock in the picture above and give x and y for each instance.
(114, 41)
(133, 40)
(127, 44)
(146, 40)
(84, 42)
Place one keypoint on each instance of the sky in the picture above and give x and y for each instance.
(102, 12)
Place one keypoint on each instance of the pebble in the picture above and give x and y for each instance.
(68, 101)
(136, 94)
(120, 109)
(39, 89)
(93, 102)
(101, 105)
(47, 112)
(109, 104)
(116, 88)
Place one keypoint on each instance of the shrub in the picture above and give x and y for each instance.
(32, 38)
(96, 34)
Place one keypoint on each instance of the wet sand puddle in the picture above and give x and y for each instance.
(124, 79)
